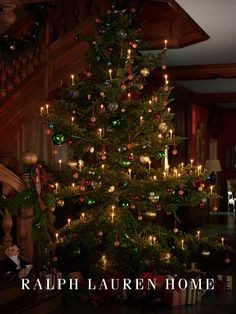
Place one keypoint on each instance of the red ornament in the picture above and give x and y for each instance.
(174, 151)
(181, 192)
(158, 206)
(131, 157)
(69, 141)
(227, 260)
(202, 205)
(134, 45)
(87, 182)
(54, 259)
(98, 20)
(132, 206)
(82, 188)
(169, 190)
(130, 43)
(140, 217)
(110, 49)
(81, 199)
(165, 103)
(168, 213)
(163, 67)
(157, 116)
(136, 197)
(89, 74)
(175, 230)
(93, 119)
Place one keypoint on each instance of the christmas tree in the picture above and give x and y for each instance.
(118, 175)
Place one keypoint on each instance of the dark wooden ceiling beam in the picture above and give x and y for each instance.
(199, 72)
(217, 97)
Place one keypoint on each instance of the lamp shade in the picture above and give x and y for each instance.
(213, 165)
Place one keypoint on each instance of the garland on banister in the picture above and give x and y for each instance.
(12, 48)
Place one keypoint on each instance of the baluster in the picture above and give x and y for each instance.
(7, 226)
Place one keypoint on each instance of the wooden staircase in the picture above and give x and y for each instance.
(13, 300)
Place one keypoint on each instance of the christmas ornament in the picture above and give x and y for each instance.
(125, 163)
(124, 203)
(111, 189)
(116, 122)
(116, 243)
(113, 106)
(69, 141)
(205, 253)
(202, 205)
(140, 217)
(98, 58)
(29, 158)
(174, 151)
(51, 125)
(136, 197)
(175, 230)
(93, 119)
(75, 175)
(144, 159)
(72, 163)
(100, 233)
(158, 206)
(157, 116)
(132, 206)
(122, 34)
(131, 157)
(150, 214)
(91, 201)
(200, 189)
(54, 259)
(227, 261)
(162, 127)
(215, 209)
(60, 203)
(52, 209)
(153, 197)
(125, 184)
(181, 192)
(145, 72)
(122, 110)
(160, 154)
(58, 138)
(163, 67)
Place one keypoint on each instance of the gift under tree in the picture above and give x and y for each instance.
(118, 174)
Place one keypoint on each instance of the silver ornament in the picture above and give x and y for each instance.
(163, 127)
(113, 106)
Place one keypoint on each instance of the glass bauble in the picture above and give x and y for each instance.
(160, 154)
(29, 158)
(145, 72)
(58, 138)
(124, 203)
(163, 127)
(113, 106)
(122, 34)
(116, 122)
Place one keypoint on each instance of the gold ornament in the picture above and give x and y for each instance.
(174, 151)
(215, 209)
(29, 158)
(52, 209)
(72, 163)
(60, 203)
(163, 127)
(122, 110)
(132, 206)
(75, 175)
(117, 243)
(200, 189)
(145, 72)
(140, 217)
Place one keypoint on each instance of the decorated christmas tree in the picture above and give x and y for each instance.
(118, 176)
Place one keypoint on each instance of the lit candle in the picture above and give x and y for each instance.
(72, 79)
(100, 133)
(129, 95)
(112, 217)
(72, 119)
(164, 174)
(149, 165)
(47, 106)
(129, 53)
(211, 189)
(171, 133)
(169, 109)
(104, 261)
(154, 240)
(222, 241)
(159, 136)
(41, 111)
(69, 222)
(103, 166)
(82, 215)
(113, 208)
(141, 120)
(166, 79)
(80, 164)
(129, 172)
(73, 185)
(150, 239)
(191, 162)
(154, 178)
(165, 42)
(102, 107)
(60, 163)
(182, 244)
(56, 234)
(176, 172)
(198, 234)
(110, 74)
(89, 96)
(182, 165)
(56, 185)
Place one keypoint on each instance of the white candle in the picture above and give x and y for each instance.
(110, 74)
(129, 95)
(166, 79)
(72, 119)
(164, 174)
(129, 53)
(69, 222)
(165, 44)
(103, 166)
(60, 163)
(198, 234)
(82, 215)
(154, 178)
(166, 163)
(211, 188)
(72, 79)
(149, 165)
(154, 240)
(73, 185)
(80, 164)
(182, 165)
(150, 239)
(41, 110)
(171, 133)
(56, 234)
(47, 106)
(182, 244)
(56, 185)
(222, 241)
(129, 172)
(112, 217)
(100, 133)
(191, 162)
(141, 120)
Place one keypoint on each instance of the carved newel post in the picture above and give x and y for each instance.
(26, 214)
